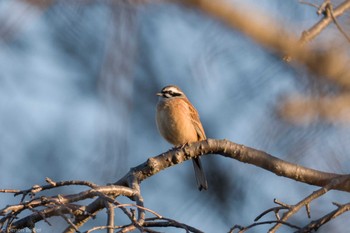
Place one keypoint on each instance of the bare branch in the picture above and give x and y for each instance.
(51, 185)
(9, 190)
(69, 221)
(315, 225)
(63, 200)
(243, 229)
(120, 190)
(167, 222)
(305, 202)
(235, 151)
(292, 209)
(110, 219)
(63, 204)
(98, 228)
(141, 207)
(315, 30)
(309, 4)
(228, 149)
(273, 209)
(323, 62)
(331, 12)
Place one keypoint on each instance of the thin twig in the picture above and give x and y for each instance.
(135, 223)
(41, 214)
(308, 212)
(141, 207)
(101, 228)
(330, 9)
(52, 184)
(9, 190)
(273, 209)
(309, 4)
(243, 229)
(315, 225)
(69, 222)
(166, 222)
(295, 208)
(316, 29)
(110, 218)
(282, 204)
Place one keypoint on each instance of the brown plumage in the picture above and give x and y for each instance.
(178, 122)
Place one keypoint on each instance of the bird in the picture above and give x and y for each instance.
(178, 123)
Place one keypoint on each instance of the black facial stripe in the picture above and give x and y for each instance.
(169, 94)
(176, 94)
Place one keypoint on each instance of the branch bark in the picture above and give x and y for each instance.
(316, 29)
(235, 151)
(129, 185)
(230, 150)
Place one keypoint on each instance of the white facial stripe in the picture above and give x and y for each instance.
(173, 89)
(167, 95)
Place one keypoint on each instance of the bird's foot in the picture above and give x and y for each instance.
(179, 147)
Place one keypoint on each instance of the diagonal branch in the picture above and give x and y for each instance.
(230, 150)
(314, 225)
(235, 151)
(332, 14)
(306, 201)
(129, 185)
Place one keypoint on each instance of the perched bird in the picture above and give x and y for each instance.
(178, 122)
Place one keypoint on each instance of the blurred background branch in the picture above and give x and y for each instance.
(323, 61)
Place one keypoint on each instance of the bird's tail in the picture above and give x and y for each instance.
(199, 173)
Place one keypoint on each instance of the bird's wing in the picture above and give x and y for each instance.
(196, 122)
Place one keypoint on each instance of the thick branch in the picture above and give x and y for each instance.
(228, 149)
(210, 146)
(235, 151)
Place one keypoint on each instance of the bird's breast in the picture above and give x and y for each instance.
(174, 122)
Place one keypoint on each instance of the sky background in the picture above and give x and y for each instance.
(77, 102)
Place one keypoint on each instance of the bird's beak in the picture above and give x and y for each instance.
(159, 94)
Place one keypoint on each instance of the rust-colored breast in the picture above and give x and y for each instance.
(176, 123)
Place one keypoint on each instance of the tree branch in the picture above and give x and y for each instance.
(129, 184)
(306, 201)
(228, 149)
(315, 30)
(315, 225)
(235, 151)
